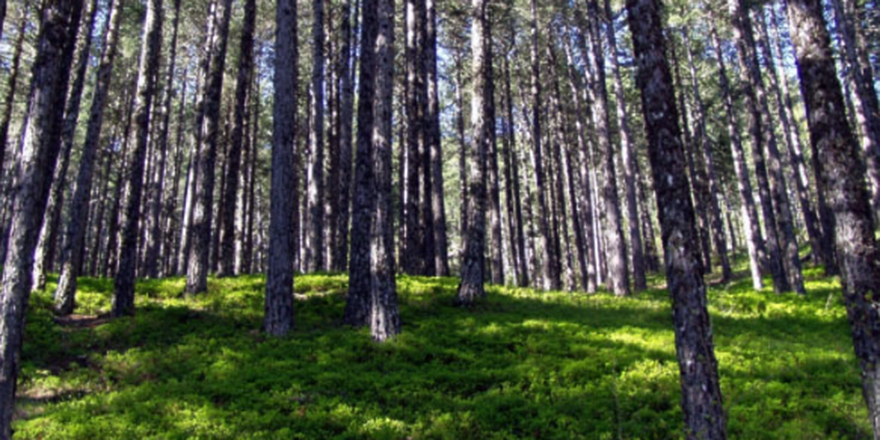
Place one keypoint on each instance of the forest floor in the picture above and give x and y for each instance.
(524, 364)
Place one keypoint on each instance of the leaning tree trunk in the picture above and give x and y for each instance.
(278, 315)
(627, 157)
(123, 293)
(197, 274)
(842, 175)
(750, 81)
(233, 159)
(471, 288)
(11, 85)
(71, 253)
(718, 236)
(39, 151)
(44, 257)
(867, 108)
(701, 389)
(754, 239)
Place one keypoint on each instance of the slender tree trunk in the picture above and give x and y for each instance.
(110, 256)
(203, 197)
(652, 260)
(65, 295)
(233, 159)
(413, 258)
(426, 207)
(750, 86)
(462, 147)
(618, 281)
(512, 187)
(248, 254)
(39, 151)
(867, 109)
(701, 389)
(433, 139)
(754, 239)
(123, 293)
(627, 157)
(471, 289)
(588, 276)
(11, 89)
(712, 176)
(314, 246)
(44, 257)
(346, 104)
(549, 265)
(842, 175)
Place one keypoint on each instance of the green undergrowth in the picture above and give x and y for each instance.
(523, 364)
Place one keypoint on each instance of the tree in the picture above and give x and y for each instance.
(39, 151)
(433, 140)
(206, 159)
(278, 318)
(471, 288)
(151, 48)
(842, 176)
(314, 246)
(701, 391)
(11, 87)
(74, 237)
(243, 83)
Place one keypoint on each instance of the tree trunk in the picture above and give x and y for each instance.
(65, 295)
(433, 139)
(627, 158)
(471, 289)
(39, 151)
(750, 86)
(314, 246)
(203, 197)
(233, 159)
(346, 103)
(842, 175)
(754, 239)
(110, 256)
(513, 193)
(384, 316)
(44, 257)
(413, 258)
(549, 265)
(618, 281)
(124, 280)
(701, 391)
(11, 86)
(278, 317)
(706, 148)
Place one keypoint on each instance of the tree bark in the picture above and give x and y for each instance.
(471, 289)
(433, 139)
(44, 257)
(346, 104)
(513, 193)
(754, 239)
(151, 49)
(413, 239)
(706, 148)
(11, 89)
(842, 175)
(233, 159)
(627, 153)
(701, 391)
(278, 312)
(549, 265)
(203, 197)
(314, 246)
(616, 259)
(65, 295)
(39, 151)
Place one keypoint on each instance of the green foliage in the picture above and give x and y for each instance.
(521, 364)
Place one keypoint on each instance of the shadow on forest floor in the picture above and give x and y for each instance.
(521, 364)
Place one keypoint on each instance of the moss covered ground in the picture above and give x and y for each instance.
(524, 364)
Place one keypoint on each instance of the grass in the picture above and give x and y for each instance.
(524, 364)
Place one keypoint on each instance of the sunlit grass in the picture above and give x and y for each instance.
(521, 364)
